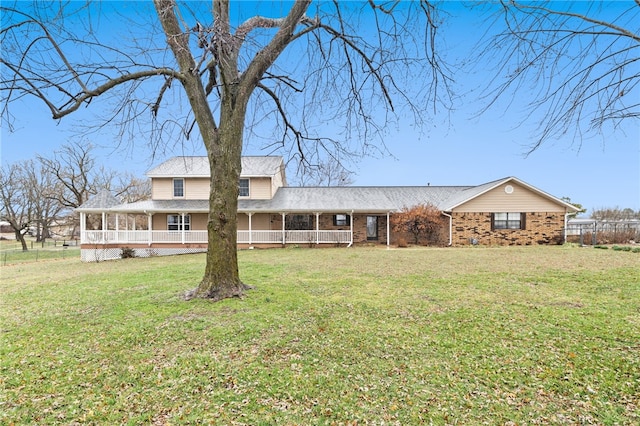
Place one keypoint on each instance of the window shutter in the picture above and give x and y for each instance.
(523, 221)
(493, 221)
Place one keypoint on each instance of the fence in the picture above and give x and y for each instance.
(12, 252)
(592, 232)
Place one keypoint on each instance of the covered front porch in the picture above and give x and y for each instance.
(166, 232)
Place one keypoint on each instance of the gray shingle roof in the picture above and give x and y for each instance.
(199, 167)
(357, 199)
(351, 198)
(101, 201)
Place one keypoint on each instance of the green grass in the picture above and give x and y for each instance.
(531, 335)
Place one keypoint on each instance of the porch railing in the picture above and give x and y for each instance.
(186, 237)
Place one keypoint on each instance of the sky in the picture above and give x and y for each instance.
(452, 147)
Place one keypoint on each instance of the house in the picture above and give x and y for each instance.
(271, 214)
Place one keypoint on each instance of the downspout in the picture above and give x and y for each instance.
(566, 223)
(450, 228)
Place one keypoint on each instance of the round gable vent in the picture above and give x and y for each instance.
(508, 189)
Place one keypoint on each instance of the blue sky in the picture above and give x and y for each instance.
(454, 147)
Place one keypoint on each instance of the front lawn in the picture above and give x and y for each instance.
(530, 335)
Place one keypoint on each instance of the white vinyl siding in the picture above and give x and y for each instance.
(520, 200)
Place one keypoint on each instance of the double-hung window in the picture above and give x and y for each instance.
(508, 220)
(243, 188)
(178, 188)
(175, 222)
(341, 220)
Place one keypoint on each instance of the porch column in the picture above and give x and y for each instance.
(182, 227)
(388, 236)
(149, 227)
(117, 225)
(83, 227)
(317, 228)
(104, 227)
(283, 228)
(250, 229)
(351, 227)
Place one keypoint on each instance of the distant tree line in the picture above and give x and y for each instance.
(39, 194)
(615, 213)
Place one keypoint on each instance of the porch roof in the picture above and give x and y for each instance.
(313, 200)
(100, 202)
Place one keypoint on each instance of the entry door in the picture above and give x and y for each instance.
(372, 227)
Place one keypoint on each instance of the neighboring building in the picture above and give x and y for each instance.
(271, 214)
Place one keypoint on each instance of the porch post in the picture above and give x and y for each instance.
(388, 236)
(250, 228)
(117, 227)
(104, 227)
(83, 226)
(283, 233)
(317, 228)
(351, 227)
(182, 226)
(149, 226)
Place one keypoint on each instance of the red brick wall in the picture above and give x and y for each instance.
(540, 228)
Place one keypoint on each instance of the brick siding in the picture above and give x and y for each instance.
(540, 228)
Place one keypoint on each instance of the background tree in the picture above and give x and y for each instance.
(77, 175)
(615, 213)
(42, 189)
(17, 205)
(423, 221)
(330, 172)
(344, 70)
(577, 60)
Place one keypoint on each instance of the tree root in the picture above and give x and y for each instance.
(216, 293)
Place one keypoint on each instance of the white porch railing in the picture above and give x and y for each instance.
(186, 237)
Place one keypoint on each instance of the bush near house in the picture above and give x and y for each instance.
(423, 222)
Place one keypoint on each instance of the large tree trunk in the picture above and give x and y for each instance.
(221, 279)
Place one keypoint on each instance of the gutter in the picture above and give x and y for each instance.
(450, 228)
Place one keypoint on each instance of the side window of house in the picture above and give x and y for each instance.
(341, 220)
(175, 222)
(178, 188)
(299, 222)
(509, 220)
(243, 187)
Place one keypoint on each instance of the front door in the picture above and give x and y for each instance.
(372, 227)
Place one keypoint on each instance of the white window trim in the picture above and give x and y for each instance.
(180, 224)
(248, 187)
(173, 187)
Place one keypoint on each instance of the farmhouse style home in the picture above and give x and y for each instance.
(271, 214)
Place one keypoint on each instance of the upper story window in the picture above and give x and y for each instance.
(178, 188)
(508, 220)
(243, 187)
(340, 219)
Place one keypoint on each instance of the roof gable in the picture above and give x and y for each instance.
(473, 193)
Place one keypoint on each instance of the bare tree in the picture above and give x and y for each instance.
(578, 61)
(17, 205)
(42, 189)
(76, 175)
(330, 172)
(349, 63)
